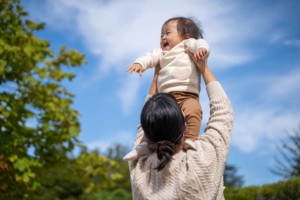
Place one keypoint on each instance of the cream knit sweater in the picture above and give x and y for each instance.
(191, 174)
(178, 71)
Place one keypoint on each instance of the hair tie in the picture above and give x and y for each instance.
(162, 148)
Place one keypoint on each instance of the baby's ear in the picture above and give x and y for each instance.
(187, 36)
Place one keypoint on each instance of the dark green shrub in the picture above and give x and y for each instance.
(119, 194)
(283, 190)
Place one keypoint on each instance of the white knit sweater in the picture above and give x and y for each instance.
(178, 71)
(191, 174)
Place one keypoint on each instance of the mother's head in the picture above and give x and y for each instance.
(163, 123)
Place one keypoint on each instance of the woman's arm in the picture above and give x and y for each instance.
(153, 88)
(218, 130)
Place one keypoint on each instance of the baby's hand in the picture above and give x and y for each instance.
(200, 53)
(135, 67)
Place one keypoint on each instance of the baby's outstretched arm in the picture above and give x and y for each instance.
(135, 68)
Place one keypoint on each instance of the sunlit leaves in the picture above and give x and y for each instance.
(81, 177)
(100, 170)
(38, 125)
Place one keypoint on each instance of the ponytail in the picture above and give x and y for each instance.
(164, 150)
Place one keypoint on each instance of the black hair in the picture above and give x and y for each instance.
(163, 123)
(187, 25)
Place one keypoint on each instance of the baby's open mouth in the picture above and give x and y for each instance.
(166, 44)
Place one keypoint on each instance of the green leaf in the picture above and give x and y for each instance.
(21, 164)
(13, 158)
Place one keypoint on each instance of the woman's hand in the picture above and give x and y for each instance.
(200, 63)
(203, 68)
(200, 53)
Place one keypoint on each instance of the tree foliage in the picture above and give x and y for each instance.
(231, 177)
(81, 177)
(112, 195)
(288, 161)
(38, 125)
(116, 152)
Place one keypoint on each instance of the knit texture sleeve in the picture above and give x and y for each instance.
(213, 145)
(193, 45)
(204, 175)
(150, 59)
(219, 127)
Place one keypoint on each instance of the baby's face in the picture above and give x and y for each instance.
(170, 36)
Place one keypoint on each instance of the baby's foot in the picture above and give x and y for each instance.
(189, 144)
(137, 152)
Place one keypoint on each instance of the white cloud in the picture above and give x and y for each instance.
(130, 89)
(285, 86)
(128, 92)
(260, 128)
(276, 37)
(262, 120)
(262, 108)
(285, 39)
(118, 137)
(118, 35)
(291, 42)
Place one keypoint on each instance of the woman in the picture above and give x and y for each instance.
(169, 172)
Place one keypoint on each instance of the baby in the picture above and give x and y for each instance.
(178, 75)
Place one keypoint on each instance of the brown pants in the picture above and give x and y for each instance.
(189, 103)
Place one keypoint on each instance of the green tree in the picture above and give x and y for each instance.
(231, 177)
(288, 161)
(81, 177)
(116, 153)
(120, 188)
(38, 126)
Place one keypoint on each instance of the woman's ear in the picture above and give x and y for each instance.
(187, 36)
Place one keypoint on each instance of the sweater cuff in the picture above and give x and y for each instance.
(215, 90)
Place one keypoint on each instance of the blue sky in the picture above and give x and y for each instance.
(255, 52)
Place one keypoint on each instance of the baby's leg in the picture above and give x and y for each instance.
(193, 113)
(192, 110)
(138, 151)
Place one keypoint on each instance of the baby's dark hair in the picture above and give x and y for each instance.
(187, 25)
